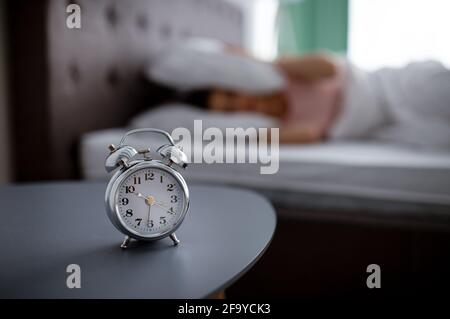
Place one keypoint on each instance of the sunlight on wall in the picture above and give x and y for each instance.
(393, 33)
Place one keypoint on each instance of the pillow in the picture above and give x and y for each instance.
(170, 116)
(197, 63)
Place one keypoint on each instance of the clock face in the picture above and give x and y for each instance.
(150, 201)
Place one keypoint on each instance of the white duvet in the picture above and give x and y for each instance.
(409, 105)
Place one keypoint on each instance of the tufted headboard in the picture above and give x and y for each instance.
(69, 81)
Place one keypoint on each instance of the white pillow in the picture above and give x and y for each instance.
(204, 63)
(170, 116)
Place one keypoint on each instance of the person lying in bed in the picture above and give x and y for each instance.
(325, 97)
(308, 105)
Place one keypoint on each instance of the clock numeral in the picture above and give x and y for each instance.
(174, 199)
(138, 220)
(162, 220)
(170, 187)
(129, 213)
(171, 211)
(151, 224)
(137, 180)
(161, 179)
(149, 176)
(125, 201)
(129, 189)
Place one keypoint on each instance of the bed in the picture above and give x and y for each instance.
(385, 181)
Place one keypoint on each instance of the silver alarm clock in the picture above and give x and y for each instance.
(146, 199)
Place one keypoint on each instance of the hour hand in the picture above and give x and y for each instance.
(140, 195)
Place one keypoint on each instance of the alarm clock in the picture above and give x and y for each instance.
(146, 199)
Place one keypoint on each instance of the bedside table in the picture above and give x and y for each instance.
(46, 227)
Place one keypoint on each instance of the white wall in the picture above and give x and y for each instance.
(4, 123)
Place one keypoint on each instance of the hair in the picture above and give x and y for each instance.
(166, 93)
(197, 98)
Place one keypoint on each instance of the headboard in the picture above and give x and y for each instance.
(69, 81)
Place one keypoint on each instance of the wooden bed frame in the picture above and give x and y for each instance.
(66, 82)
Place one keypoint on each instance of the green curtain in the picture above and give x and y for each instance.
(311, 25)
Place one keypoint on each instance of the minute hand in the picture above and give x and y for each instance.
(159, 204)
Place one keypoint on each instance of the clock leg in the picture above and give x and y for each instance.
(125, 242)
(174, 239)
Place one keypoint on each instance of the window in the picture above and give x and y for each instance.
(260, 21)
(393, 33)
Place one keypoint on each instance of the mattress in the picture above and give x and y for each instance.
(367, 176)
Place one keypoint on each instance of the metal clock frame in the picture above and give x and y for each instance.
(112, 194)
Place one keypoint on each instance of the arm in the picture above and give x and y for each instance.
(309, 67)
(298, 134)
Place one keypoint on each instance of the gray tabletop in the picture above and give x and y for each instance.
(46, 227)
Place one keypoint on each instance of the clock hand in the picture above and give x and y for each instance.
(161, 204)
(149, 200)
(139, 195)
(164, 207)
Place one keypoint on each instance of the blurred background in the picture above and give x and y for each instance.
(372, 34)
(65, 94)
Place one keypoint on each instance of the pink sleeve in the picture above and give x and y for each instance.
(314, 105)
